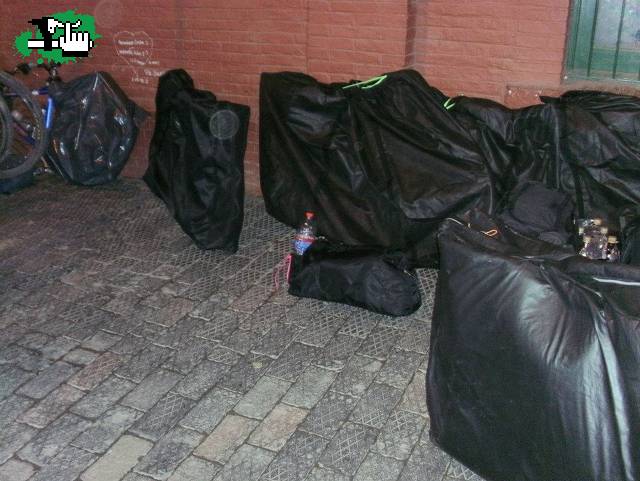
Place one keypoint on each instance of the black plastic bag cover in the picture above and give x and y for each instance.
(534, 368)
(586, 144)
(631, 242)
(536, 211)
(356, 276)
(196, 161)
(94, 129)
(380, 166)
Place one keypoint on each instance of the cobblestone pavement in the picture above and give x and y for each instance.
(128, 354)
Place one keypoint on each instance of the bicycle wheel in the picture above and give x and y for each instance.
(27, 137)
(5, 127)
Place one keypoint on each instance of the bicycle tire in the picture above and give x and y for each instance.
(6, 132)
(14, 163)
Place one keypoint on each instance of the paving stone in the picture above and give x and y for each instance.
(277, 427)
(66, 466)
(130, 345)
(224, 355)
(212, 306)
(101, 341)
(263, 397)
(58, 348)
(33, 340)
(174, 311)
(202, 378)
(188, 357)
(326, 474)
(80, 357)
(51, 440)
(416, 338)
(293, 361)
(310, 387)
(357, 375)
(122, 456)
(143, 363)
(376, 405)
(242, 341)
(13, 437)
(378, 468)
(329, 414)
(338, 351)
(20, 358)
(48, 380)
(350, 446)
(321, 329)
(168, 453)
(102, 398)
(12, 407)
(296, 459)
(360, 323)
(51, 407)
(263, 319)
(379, 342)
(220, 326)
(457, 470)
(151, 389)
(226, 438)
(211, 409)
(163, 416)
(399, 368)
(247, 464)
(14, 470)
(276, 340)
(414, 398)
(195, 469)
(244, 375)
(11, 378)
(400, 434)
(426, 462)
(106, 430)
(96, 372)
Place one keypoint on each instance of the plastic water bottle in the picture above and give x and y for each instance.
(613, 251)
(305, 235)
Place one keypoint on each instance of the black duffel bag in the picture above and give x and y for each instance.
(196, 161)
(358, 276)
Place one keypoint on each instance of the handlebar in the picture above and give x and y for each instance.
(52, 68)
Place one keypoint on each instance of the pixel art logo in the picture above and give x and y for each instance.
(60, 37)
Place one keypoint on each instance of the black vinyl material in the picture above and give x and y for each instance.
(384, 166)
(196, 161)
(94, 129)
(356, 276)
(534, 364)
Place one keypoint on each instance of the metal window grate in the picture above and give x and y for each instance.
(604, 40)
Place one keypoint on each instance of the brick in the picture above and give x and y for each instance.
(310, 387)
(262, 397)
(52, 406)
(151, 389)
(96, 372)
(14, 470)
(12, 438)
(195, 469)
(277, 427)
(106, 430)
(247, 464)
(102, 398)
(53, 439)
(122, 456)
(168, 453)
(66, 466)
(226, 438)
(211, 409)
(48, 380)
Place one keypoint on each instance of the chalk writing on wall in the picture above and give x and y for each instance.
(136, 49)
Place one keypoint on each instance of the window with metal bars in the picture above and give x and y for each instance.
(604, 40)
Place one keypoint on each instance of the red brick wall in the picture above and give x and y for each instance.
(481, 47)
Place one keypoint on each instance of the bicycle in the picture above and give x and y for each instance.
(25, 119)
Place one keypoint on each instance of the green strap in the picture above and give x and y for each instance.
(367, 84)
(449, 104)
